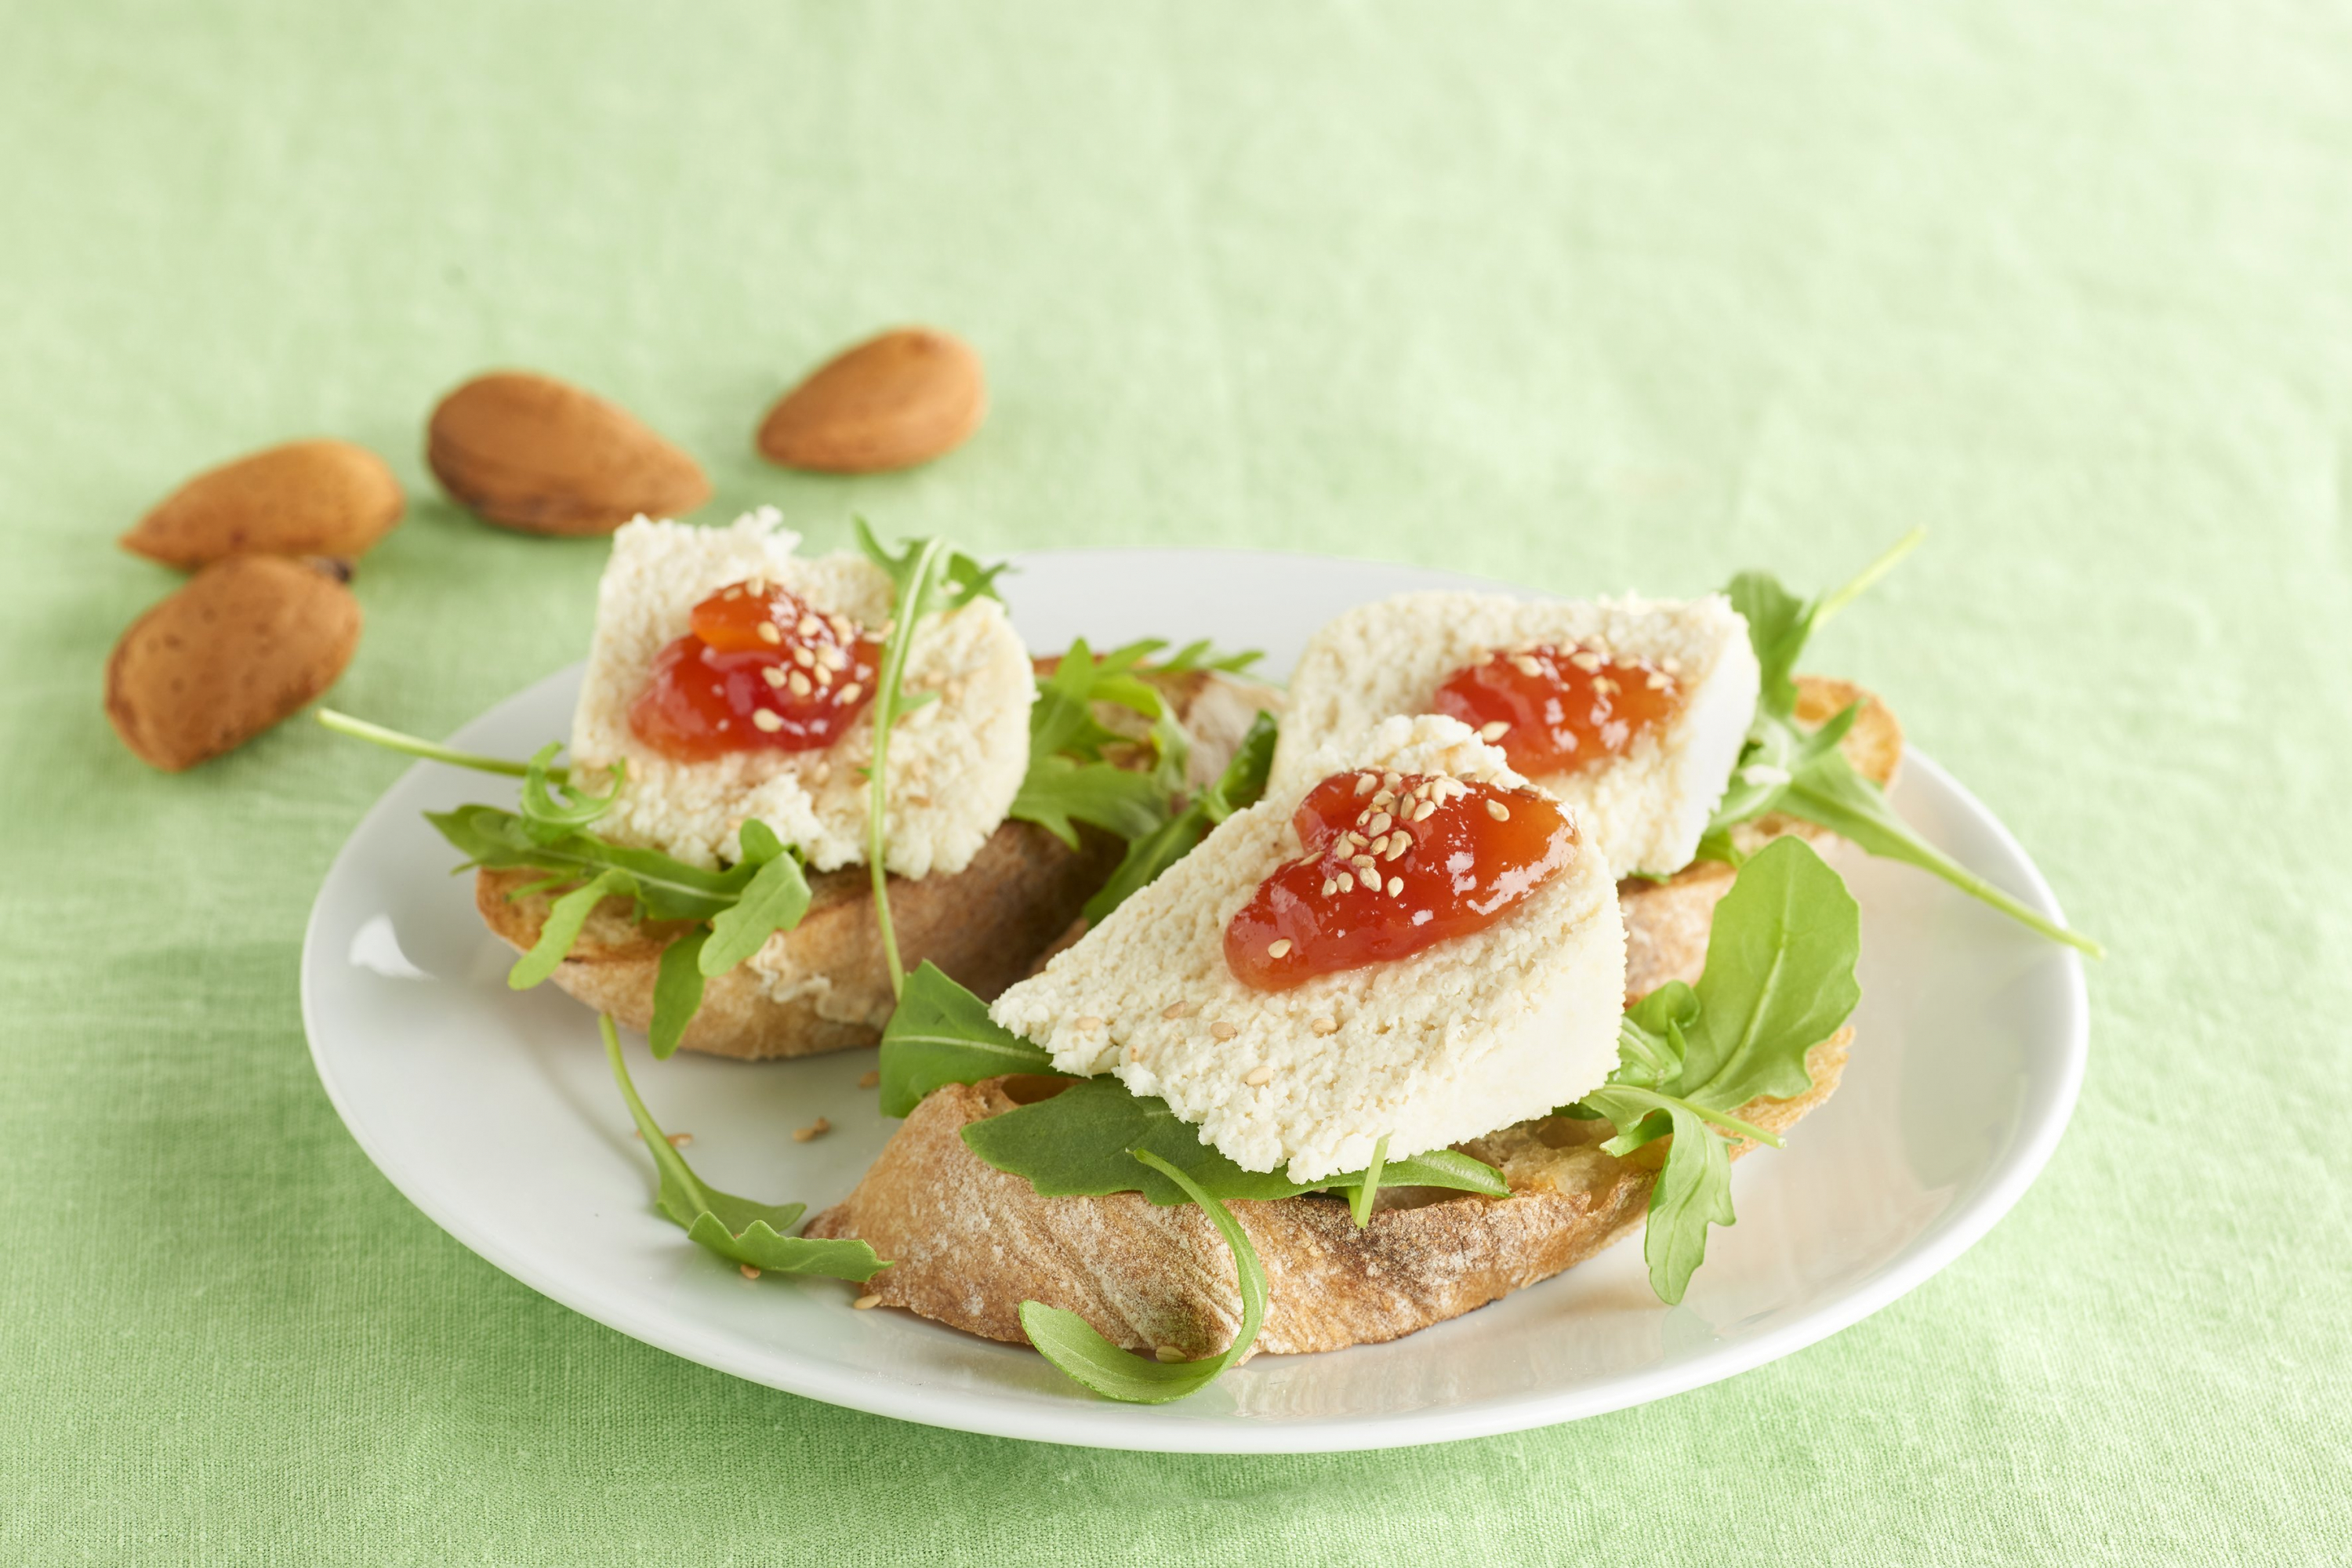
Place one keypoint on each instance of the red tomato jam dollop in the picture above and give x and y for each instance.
(1562, 711)
(761, 669)
(1393, 864)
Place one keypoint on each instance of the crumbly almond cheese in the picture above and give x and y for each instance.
(1463, 1037)
(955, 765)
(1645, 809)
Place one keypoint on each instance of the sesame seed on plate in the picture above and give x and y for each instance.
(1498, 811)
(1279, 948)
(1258, 1076)
(1494, 730)
(748, 1271)
(866, 1302)
(768, 632)
(1220, 1030)
(816, 1129)
(764, 721)
(869, 1079)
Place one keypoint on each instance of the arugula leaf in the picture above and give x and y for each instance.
(565, 917)
(1241, 785)
(1784, 768)
(1201, 655)
(775, 899)
(394, 741)
(736, 1228)
(677, 992)
(1437, 1168)
(545, 817)
(924, 570)
(1779, 981)
(1079, 1143)
(1071, 1343)
(941, 1033)
(1058, 790)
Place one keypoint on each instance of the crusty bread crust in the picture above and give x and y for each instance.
(968, 1243)
(984, 925)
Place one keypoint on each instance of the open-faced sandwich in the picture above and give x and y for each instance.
(1505, 947)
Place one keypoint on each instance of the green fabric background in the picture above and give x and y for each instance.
(1590, 295)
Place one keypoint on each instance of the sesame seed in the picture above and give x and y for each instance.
(1396, 886)
(1398, 845)
(1671, 664)
(1380, 823)
(1361, 818)
(1168, 1352)
(799, 683)
(768, 632)
(1359, 861)
(804, 658)
(681, 1140)
(824, 676)
(1220, 1030)
(1088, 1022)
(1279, 948)
(734, 592)
(1392, 780)
(865, 1303)
(1603, 685)
(1525, 665)
(832, 658)
(772, 674)
(763, 720)
(747, 1271)
(1498, 811)
(757, 587)
(1383, 800)
(1329, 887)
(847, 694)
(841, 626)
(1377, 846)
(1371, 878)
(1587, 662)
(1423, 811)
(809, 625)
(816, 1129)
(1658, 682)
(1493, 730)
(1354, 841)
(1175, 1009)
(1258, 1076)
(869, 1079)
(1366, 783)
(1324, 1026)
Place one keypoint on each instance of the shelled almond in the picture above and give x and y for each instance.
(321, 497)
(529, 452)
(244, 643)
(905, 398)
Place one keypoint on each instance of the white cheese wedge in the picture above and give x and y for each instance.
(955, 765)
(1647, 809)
(1472, 1034)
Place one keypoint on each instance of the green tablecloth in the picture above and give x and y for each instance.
(1599, 296)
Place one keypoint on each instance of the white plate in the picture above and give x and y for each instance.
(494, 1113)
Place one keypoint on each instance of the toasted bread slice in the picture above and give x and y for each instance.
(969, 1243)
(823, 985)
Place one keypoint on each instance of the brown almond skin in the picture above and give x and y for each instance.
(244, 643)
(906, 397)
(305, 498)
(529, 452)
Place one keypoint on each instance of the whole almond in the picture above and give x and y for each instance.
(243, 644)
(529, 452)
(306, 498)
(903, 398)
